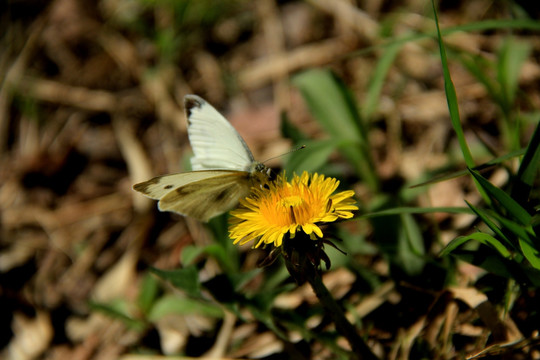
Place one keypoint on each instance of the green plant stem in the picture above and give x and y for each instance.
(360, 349)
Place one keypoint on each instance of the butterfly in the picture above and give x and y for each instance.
(224, 169)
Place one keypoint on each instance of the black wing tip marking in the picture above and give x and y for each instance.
(143, 186)
(192, 101)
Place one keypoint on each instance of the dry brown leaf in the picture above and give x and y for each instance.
(31, 336)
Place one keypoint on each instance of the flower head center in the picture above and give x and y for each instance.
(290, 201)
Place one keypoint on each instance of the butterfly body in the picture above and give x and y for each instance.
(224, 168)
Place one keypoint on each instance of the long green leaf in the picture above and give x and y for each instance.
(291, 131)
(312, 158)
(332, 104)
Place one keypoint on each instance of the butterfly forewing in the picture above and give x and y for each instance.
(215, 143)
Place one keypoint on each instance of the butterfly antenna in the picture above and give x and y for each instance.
(287, 153)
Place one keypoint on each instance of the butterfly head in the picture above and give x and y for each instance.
(259, 172)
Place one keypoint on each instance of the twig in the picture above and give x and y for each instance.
(265, 70)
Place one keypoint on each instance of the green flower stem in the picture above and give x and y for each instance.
(360, 349)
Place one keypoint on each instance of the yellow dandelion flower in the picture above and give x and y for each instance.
(303, 204)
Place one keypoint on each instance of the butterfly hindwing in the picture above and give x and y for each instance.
(207, 198)
(159, 186)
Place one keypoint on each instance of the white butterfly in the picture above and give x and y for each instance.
(224, 169)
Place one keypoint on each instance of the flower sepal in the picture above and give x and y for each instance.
(305, 254)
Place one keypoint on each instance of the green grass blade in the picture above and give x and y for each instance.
(530, 253)
(480, 26)
(521, 232)
(495, 24)
(487, 220)
(512, 55)
(410, 246)
(416, 210)
(480, 68)
(456, 174)
(483, 238)
(377, 81)
(528, 170)
(512, 207)
(451, 96)
(453, 245)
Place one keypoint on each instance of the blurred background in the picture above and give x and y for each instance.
(91, 102)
